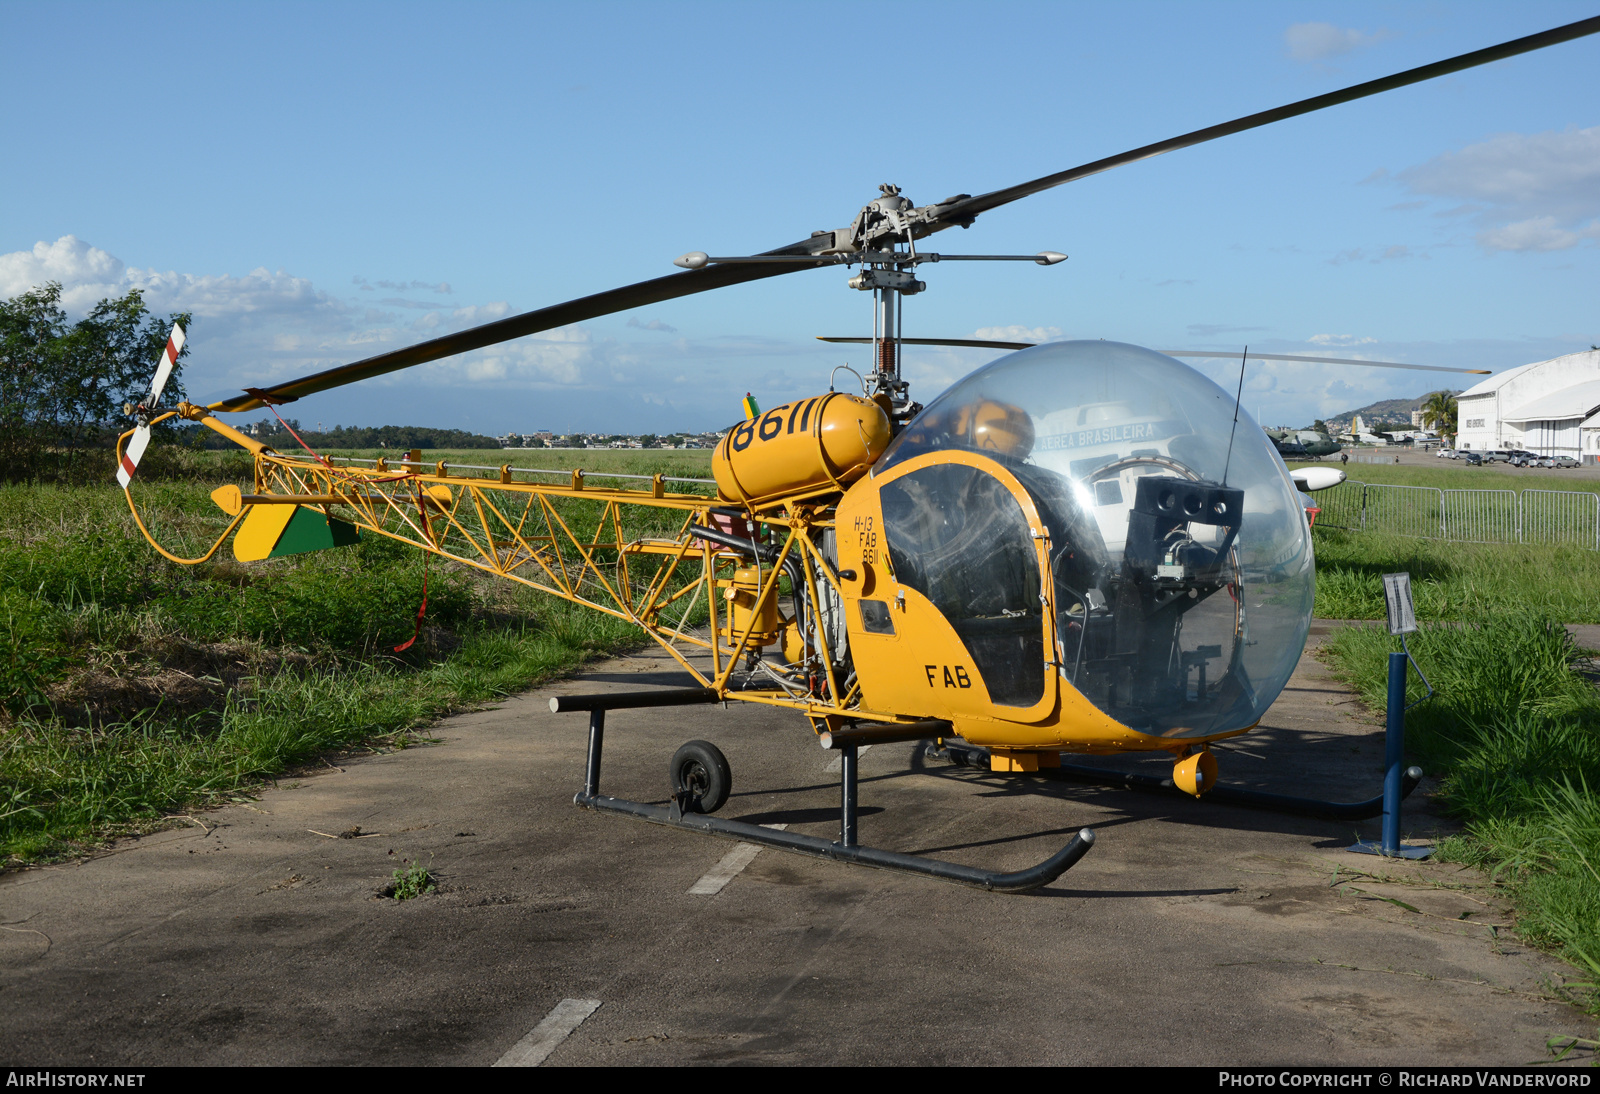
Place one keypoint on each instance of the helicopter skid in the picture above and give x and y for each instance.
(968, 756)
(818, 847)
(845, 849)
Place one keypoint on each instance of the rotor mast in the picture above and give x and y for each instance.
(888, 272)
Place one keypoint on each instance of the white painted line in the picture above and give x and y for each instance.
(837, 763)
(542, 1040)
(714, 879)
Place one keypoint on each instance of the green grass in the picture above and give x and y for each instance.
(63, 787)
(411, 881)
(1455, 581)
(1452, 475)
(132, 689)
(1515, 734)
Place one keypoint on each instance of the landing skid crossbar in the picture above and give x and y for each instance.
(969, 756)
(845, 849)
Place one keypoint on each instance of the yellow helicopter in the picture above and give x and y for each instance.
(1082, 547)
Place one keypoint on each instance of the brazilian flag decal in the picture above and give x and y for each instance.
(273, 531)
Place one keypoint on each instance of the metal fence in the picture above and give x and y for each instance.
(1561, 516)
(1483, 516)
(1465, 516)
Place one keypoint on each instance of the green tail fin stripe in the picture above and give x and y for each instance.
(312, 530)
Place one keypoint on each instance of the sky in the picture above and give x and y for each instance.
(317, 183)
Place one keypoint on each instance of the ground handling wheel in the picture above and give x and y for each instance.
(700, 777)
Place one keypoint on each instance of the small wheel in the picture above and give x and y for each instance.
(700, 768)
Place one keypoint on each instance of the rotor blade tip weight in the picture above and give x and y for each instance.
(1050, 258)
(694, 260)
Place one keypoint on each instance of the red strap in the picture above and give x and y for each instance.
(421, 608)
(422, 515)
(421, 512)
(266, 401)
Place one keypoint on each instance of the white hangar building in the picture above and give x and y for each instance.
(1550, 407)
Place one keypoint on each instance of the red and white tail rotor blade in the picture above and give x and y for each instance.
(169, 361)
(141, 436)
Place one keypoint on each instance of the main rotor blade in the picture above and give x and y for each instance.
(963, 211)
(967, 208)
(1321, 360)
(637, 295)
(983, 344)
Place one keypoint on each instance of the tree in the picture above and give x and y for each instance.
(1319, 426)
(1439, 413)
(62, 384)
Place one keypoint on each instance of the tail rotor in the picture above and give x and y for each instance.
(141, 435)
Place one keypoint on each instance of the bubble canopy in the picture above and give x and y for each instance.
(1182, 573)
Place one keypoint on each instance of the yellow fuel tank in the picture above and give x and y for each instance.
(804, 447)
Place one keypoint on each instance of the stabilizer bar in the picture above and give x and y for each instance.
(968, 756)
(817, 847)
(882, 733)
(665, 697)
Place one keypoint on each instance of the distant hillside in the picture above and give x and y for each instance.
(399, 437)
(1384, 410)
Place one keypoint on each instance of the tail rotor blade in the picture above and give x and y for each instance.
(141, 436)
(164, 367)
(130, 458)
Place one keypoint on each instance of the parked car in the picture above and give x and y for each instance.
(1493, 455)
(1446, 454)
(1564, 461)
(1521, 457)
(1542, 461)
(1473, 459)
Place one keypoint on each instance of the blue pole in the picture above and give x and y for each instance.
(1394, 747)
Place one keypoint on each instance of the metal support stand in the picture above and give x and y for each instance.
(845, 849)
(597, 740)
(1394, 747)
(847, 796)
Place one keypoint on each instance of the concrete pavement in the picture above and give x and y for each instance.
(1191, 933)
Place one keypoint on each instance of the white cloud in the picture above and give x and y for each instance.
(1017, 333)
(68, 260)
(1338, 340)
(481, 313)
(1211, 330)
(931, 369)
(1530, 191)
(565, 356)
(1536, 234)
(1557, 171)
(654, 324)
(1318, 41)
(402, 302)
(267, 326)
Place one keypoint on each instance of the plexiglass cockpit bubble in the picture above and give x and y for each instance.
(1181, 570)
